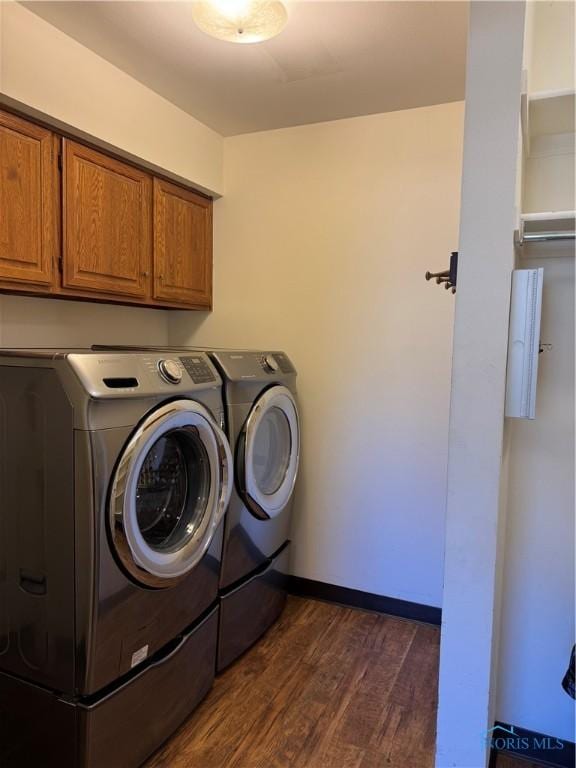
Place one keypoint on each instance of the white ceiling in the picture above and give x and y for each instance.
(333, 60)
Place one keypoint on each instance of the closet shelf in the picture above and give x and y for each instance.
(547, 113)
(551, 112)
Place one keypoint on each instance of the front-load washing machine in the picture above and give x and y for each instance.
(263, 427)
(114, 478)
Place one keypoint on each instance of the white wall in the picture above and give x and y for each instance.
(550, 45)
(45, 69)
(474, 516)
(549, 174)
(549, 61)
(32, 322)
(322, 241)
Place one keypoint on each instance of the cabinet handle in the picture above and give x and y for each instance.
(160, 278)
(145, 274)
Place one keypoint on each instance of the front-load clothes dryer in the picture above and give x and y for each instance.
(114, 479)
(264, 429)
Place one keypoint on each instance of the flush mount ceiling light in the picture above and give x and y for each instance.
(240, 21)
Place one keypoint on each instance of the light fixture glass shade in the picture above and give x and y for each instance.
(240, 21)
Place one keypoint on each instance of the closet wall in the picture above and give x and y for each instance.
(538, 594)
(322, 240)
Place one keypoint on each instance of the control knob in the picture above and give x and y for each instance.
(270, 363)
(170, 371)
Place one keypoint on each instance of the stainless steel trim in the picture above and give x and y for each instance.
(540, 237)
(146, 565)
(226, 472)
(170, 370)
(270, 505)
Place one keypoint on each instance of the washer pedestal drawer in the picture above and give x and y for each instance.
(119, 728)
(249, 609)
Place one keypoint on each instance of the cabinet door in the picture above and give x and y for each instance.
(182, 245)
(107, 224)
(29, 202)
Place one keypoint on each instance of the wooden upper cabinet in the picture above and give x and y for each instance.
(96, 227)
(182, 246)
(29, 202)
(107, 224)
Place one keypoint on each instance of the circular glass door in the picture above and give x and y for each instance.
(172, 490)
(272, 449)
(169, 493)
(271, 452)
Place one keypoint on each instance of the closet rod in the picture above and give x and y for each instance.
(541, 237)
(541, 227)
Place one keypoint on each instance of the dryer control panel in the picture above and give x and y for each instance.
(272, 362)
(239, 365)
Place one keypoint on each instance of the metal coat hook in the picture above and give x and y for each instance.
(447, 278)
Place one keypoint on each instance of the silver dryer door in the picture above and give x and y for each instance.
(269, 452)
(169, 492)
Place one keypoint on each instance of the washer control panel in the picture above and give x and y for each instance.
(170, 371)
(198, 369)
(121, 374)
(269, 364)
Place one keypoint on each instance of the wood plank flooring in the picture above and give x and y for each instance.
(327, 687)
(504, 761)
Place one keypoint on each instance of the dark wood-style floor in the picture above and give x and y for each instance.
(327, 687)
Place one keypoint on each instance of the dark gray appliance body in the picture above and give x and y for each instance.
(251, 536)
(255, 555)
(80, 635)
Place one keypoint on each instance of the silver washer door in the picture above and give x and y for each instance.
(269, 452)
(169, 493)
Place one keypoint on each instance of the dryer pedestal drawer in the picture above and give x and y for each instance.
(248, 610)
(122, 727)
